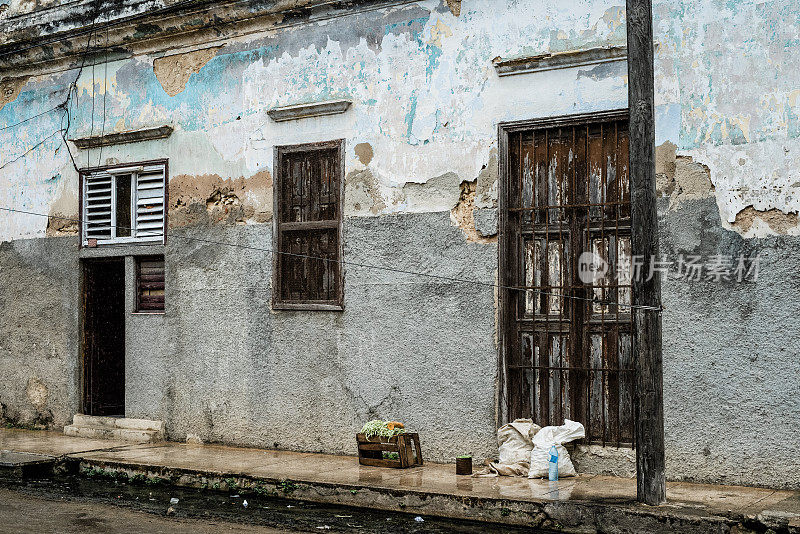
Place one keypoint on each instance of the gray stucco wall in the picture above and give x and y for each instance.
(39, 331)
(220, 366)
(731, 388)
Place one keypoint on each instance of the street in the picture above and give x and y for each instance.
(21, 512)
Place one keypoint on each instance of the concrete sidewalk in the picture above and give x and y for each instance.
(585, 503)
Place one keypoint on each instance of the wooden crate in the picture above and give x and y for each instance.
(370, 450)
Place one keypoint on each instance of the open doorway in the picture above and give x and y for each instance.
(104, 337)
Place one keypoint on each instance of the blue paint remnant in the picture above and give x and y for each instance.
(401, 27)
(668, 123)
(736, 134)
(434, 53)
(792, 122)
(32, 102)
(409, 119)
(216, 86)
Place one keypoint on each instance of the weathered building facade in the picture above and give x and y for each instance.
(387, 149)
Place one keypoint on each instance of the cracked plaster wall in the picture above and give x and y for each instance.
(419, 75)
(420, 133)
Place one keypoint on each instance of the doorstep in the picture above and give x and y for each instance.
(116, 428)
(585, 503)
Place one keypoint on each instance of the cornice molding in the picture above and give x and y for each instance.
(559, 60)
(121, 138)
(305, 111)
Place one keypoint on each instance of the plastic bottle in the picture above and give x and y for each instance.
(553, 472)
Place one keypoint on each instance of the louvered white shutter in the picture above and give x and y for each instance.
(97, 202)
(100, 202)
(150, 188)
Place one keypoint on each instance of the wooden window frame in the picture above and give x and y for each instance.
(280, 152)
(137, 308)
(119, 169)
(506, 300)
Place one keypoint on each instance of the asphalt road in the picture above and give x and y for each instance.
(23, 513)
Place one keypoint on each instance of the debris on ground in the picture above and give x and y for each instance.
(554, 436)
(524, 449)
(514, 443)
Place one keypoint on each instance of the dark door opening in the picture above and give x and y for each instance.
(104, 337)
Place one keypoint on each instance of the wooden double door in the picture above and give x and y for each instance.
(566, 265)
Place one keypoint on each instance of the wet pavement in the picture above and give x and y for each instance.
(430, 490)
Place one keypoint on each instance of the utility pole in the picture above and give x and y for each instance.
(649, 405)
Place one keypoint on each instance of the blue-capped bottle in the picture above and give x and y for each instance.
(553, 471)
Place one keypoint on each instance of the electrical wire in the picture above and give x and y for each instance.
(65, 106)
(31, 149)
(351, 263)
(91, 128)
(23, 121)
(74, 87)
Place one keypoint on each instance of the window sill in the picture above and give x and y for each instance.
(125, 241)
(148, 313)
(310, 306)
(127, 249)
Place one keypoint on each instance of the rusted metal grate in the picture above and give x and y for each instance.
(308, 226)
(569, 343)
(150, 280)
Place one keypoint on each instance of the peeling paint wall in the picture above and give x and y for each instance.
(727, 87)
(727, 164)
(420, 76)
(421, 172)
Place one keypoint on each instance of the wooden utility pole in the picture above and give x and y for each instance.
(649, 406)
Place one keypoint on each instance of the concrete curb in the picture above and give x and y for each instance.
(574, 516)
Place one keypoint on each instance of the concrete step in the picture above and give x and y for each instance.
(116, 428)
(117, 422)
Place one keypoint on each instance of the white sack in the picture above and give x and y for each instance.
(546, 438)
(514, 441)
(514, 448)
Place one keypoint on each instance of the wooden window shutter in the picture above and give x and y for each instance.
(150, 282)
(150, 202)
(97, 212)
(308, 271)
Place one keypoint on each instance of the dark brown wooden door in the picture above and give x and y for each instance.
(104, 337)
(567, 327)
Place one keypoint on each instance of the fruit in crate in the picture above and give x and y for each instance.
(383, 429)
